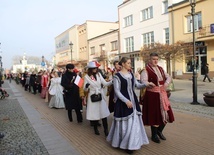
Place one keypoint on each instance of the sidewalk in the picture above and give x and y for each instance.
(191, 133)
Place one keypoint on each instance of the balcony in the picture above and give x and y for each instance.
(99, 56)
(205, 33)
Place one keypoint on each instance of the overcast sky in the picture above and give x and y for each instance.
(30, 26)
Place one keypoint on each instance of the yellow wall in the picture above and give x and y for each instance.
(178, 27)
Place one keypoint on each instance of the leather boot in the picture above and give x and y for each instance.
(159, 132)
(154, 134)
(70, 115)
(96, 131)
(105, 126)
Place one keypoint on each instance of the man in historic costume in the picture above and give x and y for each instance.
(71, 92)
(156, 106)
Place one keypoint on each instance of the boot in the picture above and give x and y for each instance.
(154, 134)
(159, 132)
(96, 131)
(70, 116)
(105, 126)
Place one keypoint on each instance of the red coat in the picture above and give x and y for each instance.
(151, 101)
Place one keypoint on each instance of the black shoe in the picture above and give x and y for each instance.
(106, 132)
(161, 136)
(203, 81)
(71, 119)
(155, 139)
(129, 151)
(96, 132)
(1, 135)
(210, 81)
(154, 134)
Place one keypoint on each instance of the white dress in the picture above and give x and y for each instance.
(127, 133)
(55, 89)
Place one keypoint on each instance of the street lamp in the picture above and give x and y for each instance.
(194, 76)
(71, 47)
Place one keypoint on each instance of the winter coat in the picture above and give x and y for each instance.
(71, 91)
(96, 110)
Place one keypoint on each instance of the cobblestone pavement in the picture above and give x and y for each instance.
(20, 137)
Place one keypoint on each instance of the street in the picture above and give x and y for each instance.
(190, 134)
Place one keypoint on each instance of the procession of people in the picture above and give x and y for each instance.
(103, 94)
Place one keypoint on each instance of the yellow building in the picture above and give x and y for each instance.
(181, 30)
(79, 35)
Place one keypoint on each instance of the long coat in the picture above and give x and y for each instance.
(71, 91)
(96, 110)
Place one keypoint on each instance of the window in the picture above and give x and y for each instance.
(114, 45)
(148, 38)
(166, 33)
(198, 22)
(102, 47)
(165, 6)
(129, 44)
(147, 13)
(92, 50)
(128, 21)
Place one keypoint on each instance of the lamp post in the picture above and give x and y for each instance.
(194, 76)
(71, 47)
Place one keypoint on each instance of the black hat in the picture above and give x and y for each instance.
(70, 66)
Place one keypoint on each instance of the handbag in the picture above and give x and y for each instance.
(96, 97)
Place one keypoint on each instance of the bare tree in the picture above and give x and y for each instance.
(167, 52)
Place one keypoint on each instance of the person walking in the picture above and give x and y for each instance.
(110, 91)
(206, 72)
(44, 84)
(71, 93)
(56, 89)
(97, 107)
(127, 130)
(156, 106)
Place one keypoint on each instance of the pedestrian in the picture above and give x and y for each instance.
(110, 90)
(32, 83)
(27, 82)
(71, 93)
(44, 84)
(56, 90)
(156, 106)
(206, 72)
(96, 109)
(127, 130)
(38, 81)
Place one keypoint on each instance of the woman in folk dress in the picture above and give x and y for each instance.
(56, 89)
(127, 130)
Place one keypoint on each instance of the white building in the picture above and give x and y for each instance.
(142, 22)
(24, 66)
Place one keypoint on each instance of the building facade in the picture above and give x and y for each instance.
(141, 23)
(104, 48)
(181, 30)
(79, 36)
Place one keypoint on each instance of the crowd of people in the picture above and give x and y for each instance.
(127, 130)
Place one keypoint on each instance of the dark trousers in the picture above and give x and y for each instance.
(206, 76)
(39, 87)
(104, 121)
(78, 113)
